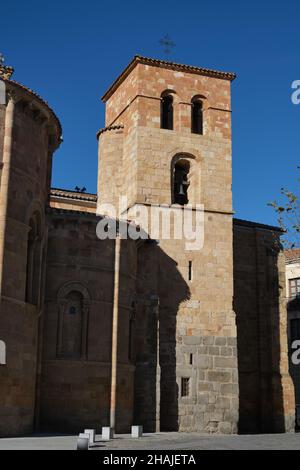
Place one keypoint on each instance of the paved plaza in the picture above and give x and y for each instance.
(159, 441)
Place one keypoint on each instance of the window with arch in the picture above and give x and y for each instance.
(72, 325)
(197, 115)
(181, 182)
(166, 111)
(73, 304)
(34, 255)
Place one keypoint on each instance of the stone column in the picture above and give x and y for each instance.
(5, 177)
(114, 353)
(155, 301)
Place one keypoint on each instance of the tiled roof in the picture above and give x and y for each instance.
(138, 59)
(291, 255)
(71, 212)
(41, 100)
(248, 223)
(109, 128)
(66, 193)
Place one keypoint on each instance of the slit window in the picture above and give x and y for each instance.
(190, 270)
(197, 116)
(185, 387)
(167, 114)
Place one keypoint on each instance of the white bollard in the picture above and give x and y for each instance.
(107, 433)
(91, 433)
(136, 431)
(83, 441)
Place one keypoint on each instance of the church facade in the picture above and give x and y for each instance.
(201, 343)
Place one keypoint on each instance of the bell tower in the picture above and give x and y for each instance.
(157, 112)
(167, 144)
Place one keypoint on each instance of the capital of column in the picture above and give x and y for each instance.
(12, 97)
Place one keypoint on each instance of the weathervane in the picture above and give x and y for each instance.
(167, 44)
(1, 59)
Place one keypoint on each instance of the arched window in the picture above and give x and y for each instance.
(197, 115)
(72, 326)
(166, 111)
(181, 182)
(33, 268)
(73, 304)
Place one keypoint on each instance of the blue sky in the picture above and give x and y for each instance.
(70, 52)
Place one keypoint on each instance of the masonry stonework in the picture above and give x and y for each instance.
(202, 341)
(29, 133)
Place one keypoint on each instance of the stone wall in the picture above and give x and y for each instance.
(183, 331)
(187, 310)
(75, 388)
(266, 391)
(136, 161)
(23, 192)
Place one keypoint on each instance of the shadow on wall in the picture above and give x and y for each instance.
(160, 290)
(259, 306)
(293, 307)
(76, 369)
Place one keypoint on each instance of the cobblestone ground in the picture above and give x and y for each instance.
(160, 441)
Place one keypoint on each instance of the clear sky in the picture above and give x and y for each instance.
(70, 52)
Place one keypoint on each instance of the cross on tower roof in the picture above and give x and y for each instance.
(167, 44)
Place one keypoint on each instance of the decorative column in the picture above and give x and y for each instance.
(5, 176)
(114, 353)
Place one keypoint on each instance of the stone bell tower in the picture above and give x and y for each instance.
(167, 143)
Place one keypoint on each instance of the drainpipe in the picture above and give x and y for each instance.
(5, 178)
(114, 353)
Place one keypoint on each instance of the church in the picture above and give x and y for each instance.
(189, 339)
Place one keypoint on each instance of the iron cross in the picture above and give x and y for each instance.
(167, 44)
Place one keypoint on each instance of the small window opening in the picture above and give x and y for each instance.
(167, 112)
(190, 270)
(185, 386)
(72, 311)
(181, 182)
(197, 116)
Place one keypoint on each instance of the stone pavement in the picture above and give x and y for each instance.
(160, 441)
